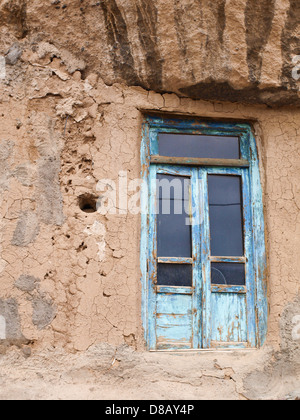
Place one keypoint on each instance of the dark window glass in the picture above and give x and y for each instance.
(173, 223)
(228, 273)
(226, 215)
(175, 275)
(208, 147)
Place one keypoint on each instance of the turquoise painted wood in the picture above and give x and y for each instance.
(197, 298)
(173, 320)
(249, 323)
(175, 260)
(259, 248)
(216, 288)
(250, 273)
(172, 323)
(181, 290)
(204, 315)
(205, 260)
(229, 320)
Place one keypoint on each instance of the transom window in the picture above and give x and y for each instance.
(203, 252)
(197, 146)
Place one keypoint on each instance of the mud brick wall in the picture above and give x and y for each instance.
(75, 77)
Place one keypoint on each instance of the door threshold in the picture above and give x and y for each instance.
(215, 350)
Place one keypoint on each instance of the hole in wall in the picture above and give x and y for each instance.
(81, 247)
(88, 203)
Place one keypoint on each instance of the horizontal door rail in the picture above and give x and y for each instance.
(240, 163)
(228, 259)
(225, 288)
(174, 260)
(175, 290)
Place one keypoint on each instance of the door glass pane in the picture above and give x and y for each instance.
(226, 215)
(228, 273)
(175, 275)
(189, 145)
(173, 224)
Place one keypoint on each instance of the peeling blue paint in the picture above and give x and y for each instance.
(205, 315)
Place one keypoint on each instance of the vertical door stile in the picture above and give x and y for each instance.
(250, 275)
(197, 276)
(205, 254)
(152, 259)
(259, 244)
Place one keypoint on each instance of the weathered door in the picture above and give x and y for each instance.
(227, 259)
(200, 252)
(175, 259)
(203, 257)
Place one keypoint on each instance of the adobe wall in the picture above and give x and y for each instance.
(71, 277)
(70, 116)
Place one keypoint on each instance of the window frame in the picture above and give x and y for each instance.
(154, 124)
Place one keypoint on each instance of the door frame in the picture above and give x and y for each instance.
(153, 124)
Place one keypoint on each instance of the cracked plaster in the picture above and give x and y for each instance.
(89, 263)
(62, 130)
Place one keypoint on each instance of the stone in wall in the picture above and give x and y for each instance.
(43, 313)
(27, 283)
(27, 229)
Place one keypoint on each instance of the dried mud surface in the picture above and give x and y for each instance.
(108, 373)
(78, 77)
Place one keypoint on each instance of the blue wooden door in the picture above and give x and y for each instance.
(227, 259)
(175, 275)
(203, 260)
(201, 292)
